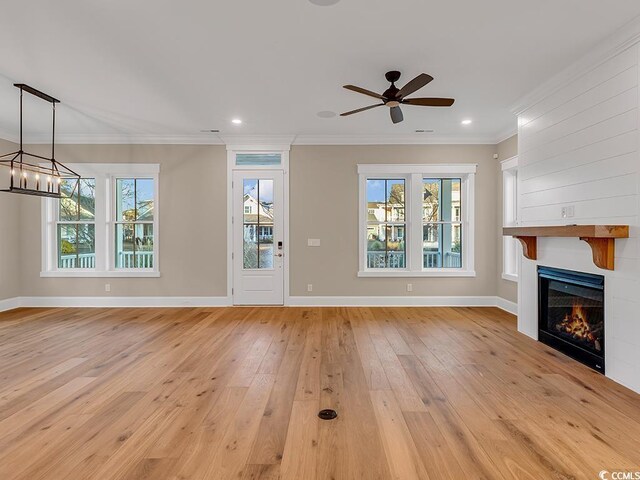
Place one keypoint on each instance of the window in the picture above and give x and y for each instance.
(105, 224)
(75, 224)
(134, 222)
(510, 217)
(416, 220)
(441, 223)
(385, 226)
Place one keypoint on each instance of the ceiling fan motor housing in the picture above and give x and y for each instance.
(392, 76)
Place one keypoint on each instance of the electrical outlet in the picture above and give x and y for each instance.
(563, 212)
(409, 287)
(313, 242)
(309, 287)
(107, 287)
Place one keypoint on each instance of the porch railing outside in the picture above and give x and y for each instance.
(126, 260)
(431, 259)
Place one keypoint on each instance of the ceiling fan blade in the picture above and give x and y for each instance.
(429, 102)
(415, 84)
(396, 114)
(361, 109)
(364, 91)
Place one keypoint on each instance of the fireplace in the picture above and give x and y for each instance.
(571, 314)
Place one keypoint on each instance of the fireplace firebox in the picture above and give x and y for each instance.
(571, 314)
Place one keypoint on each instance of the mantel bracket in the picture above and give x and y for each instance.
(603, 250)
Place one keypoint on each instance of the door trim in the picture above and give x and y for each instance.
(232, 150)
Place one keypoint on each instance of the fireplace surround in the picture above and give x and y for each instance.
(571, 314)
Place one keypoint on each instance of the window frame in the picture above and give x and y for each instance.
(510, 253)
(105, 176)
(414, 175)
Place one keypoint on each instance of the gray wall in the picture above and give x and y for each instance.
(193, 241)
(324, 205)
(10, 253)
(506, 149)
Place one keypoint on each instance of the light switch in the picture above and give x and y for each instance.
(313, 242)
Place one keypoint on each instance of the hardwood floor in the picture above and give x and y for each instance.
(426, 393)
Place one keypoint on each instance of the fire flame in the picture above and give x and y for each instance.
(576, 324)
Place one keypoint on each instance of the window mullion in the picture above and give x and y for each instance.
(414, 223)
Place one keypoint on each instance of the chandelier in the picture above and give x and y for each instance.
(31, 174)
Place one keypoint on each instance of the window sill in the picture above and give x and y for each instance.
(96, 274)
(510, 276)
(409, 274)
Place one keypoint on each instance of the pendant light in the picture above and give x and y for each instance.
(31, 174)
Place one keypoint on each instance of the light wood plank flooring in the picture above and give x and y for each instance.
(233, 393)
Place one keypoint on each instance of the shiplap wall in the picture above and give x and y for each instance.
(578, 147)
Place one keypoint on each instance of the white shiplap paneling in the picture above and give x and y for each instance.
(578, 147)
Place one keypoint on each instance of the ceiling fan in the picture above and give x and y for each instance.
(394, 97)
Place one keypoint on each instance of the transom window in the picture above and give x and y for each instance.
(105, 224)
(416, 220)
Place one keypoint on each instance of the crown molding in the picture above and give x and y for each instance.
(9, 137)
(124, 139)
(399, 139)
(213, 139)
(622, 39)
(506, 134)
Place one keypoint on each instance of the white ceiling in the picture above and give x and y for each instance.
(167, 67)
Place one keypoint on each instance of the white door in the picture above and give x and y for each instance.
(258, 236)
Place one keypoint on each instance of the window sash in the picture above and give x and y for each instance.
(414, 223)
(116, 221)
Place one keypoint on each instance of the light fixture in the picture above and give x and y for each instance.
(20, 163)
(466, 122)
(324, 3)
(236, 121)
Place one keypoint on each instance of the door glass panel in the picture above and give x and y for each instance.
(257, 228)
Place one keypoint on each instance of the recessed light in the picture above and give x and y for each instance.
(324, 3)
(236, 121)
(466, 122)
(326, 114)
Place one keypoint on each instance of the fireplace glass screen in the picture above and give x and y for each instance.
(571, 314)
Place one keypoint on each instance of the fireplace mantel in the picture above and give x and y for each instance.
(601, 239)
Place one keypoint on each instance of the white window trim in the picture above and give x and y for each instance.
(509, 169)
(105, 175)
(413, 174)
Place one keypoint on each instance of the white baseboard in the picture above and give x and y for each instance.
(9, 304)
(121, 302)
(507, 305)
(311, 301)
(404, 301)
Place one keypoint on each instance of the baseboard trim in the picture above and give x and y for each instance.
(102, 302)
(300, 301)
(405, 301)
(507, 305)
(9, 304)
